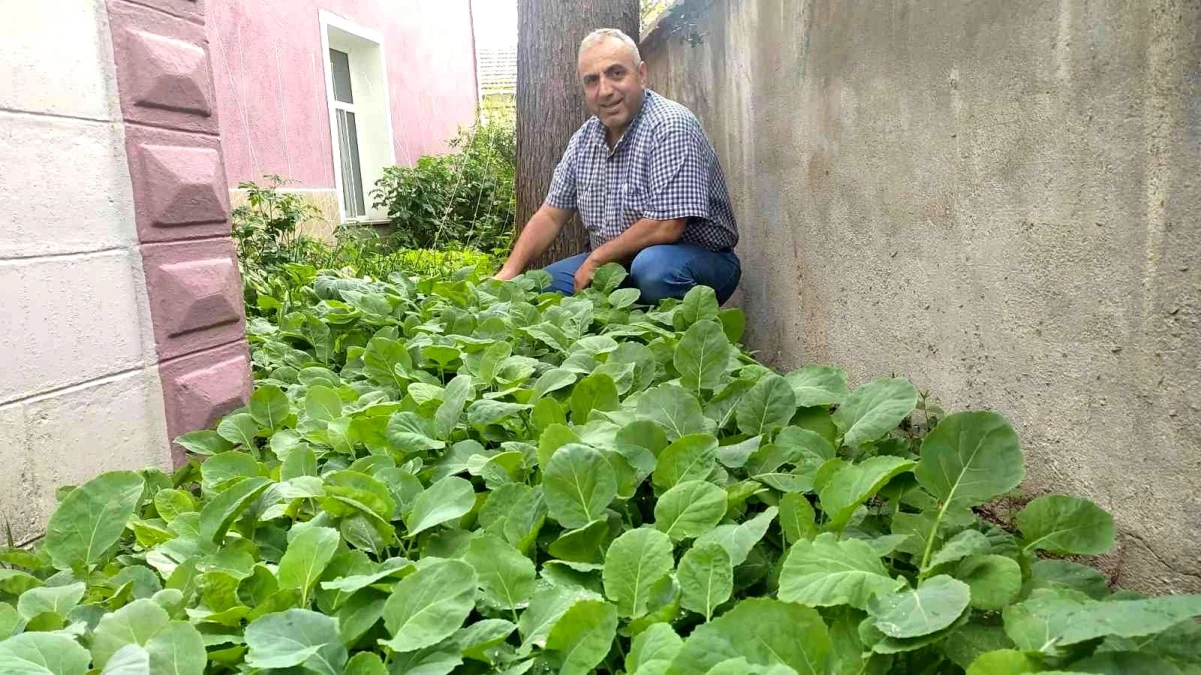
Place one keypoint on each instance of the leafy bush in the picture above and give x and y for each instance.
(264, 227)
(465, 198)
(455, 474)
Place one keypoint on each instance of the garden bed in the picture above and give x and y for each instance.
(446, 473)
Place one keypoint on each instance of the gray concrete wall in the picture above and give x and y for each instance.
(998, 199)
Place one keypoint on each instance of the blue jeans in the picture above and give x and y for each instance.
(664, 271)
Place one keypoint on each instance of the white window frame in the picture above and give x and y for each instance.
(328, 21)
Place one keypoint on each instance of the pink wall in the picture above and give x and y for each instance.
(270, 80)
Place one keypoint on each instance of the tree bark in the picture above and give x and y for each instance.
(550, 101)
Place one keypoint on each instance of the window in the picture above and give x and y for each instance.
(348, 136)
(356, 86)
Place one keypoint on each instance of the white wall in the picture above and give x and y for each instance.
(79, 391)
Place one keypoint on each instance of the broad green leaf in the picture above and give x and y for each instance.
(653, 650)
(583, 636)
(702, 356)
(552, 380)
(578, 483)
(855, 484)
(205, 442)
(582, 544)
(995, 581)
(10, 618)
(366, 663)
(219, 514)
(969, 458)
(1066, 526)
(733, 322)
(132, 659)
(43, 654)
(595, 392)
(552, 438)
(429, 605)
(293, 638)
(57, 599)
(454, 399)
(1129, 618)
(448, 499)
(738, 540)
(392, 567)
(506, 577)
(269, 406)
(490, 363)
(826, 572)
(173, 647)
(818, 385)
(227, 466)
(645, 434)
(797, 518)
(171, 503)
(913, 612)
(410, 432)
(969, 641)
(734, 456)
(690, 509)
(688, 458)
(486, 412)
(675, 410)
(305, 560)
(608, 277)
(239, 429)
(547, 605)
(624, 297)
(91, 519)
(177, 649)
(1004, 662)
(633, 563)
(768, 405)
(764, 632)
(706, 578)
(1066, 574)
(323, 403)
(874, 409)
(968, 542)
(1037, 624)
(135, 623)
(699, 304)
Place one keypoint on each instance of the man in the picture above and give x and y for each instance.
(646, 183)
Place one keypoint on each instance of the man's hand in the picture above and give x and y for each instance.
(505, 274)
(583, 275)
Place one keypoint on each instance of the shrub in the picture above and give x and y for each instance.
(465, 198)
(455, 474)
(264, 227)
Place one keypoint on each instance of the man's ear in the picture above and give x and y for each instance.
(642, 74)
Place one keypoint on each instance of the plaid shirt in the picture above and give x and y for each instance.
(663, 168)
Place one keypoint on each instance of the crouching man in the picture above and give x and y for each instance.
(646, 183)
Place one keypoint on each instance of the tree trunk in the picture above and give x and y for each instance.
(550, 101)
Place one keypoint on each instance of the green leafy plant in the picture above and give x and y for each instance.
(463, 198)
(455, 474)
(264, 227)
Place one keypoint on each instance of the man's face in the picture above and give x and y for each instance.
(613, 83)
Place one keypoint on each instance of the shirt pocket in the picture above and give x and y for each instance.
(633, 202)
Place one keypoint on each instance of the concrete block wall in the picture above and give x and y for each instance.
(121, 321)
(999, 200)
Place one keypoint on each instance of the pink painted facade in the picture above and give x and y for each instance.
(269, 74)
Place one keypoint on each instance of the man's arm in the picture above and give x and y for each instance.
(536, 236)
(625, 246)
